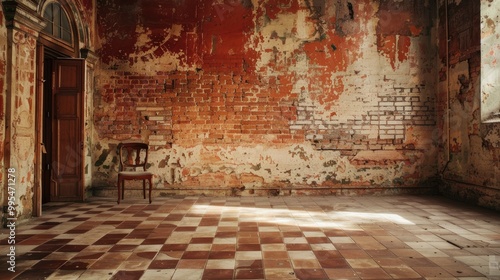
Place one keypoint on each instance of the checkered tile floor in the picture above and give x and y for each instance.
(394, 237)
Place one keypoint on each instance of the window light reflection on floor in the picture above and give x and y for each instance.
(331, 219)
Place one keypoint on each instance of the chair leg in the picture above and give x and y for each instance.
(123, 189)
(150, 188)
(118, 185)
(144, 188)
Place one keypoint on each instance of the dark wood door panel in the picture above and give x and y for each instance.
(67, 134)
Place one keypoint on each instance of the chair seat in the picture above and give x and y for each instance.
(135, 173)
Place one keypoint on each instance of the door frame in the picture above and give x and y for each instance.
(80, 47)
(37, 193)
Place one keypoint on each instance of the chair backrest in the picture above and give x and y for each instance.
(133, 155)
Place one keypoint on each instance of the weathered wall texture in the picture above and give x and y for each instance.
(18, 112)
(3, 76)
(471, 150)
(270, 97)
(490, 72)
(20, 26)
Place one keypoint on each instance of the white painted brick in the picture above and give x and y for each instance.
(404, 103)
(150, 108)
(156, 137)
(386, 127)
(387, 108)
(360, 147)
(157, 143)
(385, 137)
(332, 122)
(386, 103)
(156, 118)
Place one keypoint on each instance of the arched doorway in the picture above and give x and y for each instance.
(60, 107)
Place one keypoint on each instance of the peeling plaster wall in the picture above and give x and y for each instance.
(275, 170)
(269, 97)
(469, 157)
(3, 92)
(17, 61)
(490, 72)
(88, 127)
(20, 129)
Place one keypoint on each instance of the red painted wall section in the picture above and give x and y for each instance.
(226, 27)
(117, 28)
(87, 5)
(344, 31)
(398, 21)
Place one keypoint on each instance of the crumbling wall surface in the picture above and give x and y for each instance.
(270, 97)
(3, 76)
(18, 116)
(471, 151)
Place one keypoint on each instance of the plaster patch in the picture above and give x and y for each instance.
(23, 145)
(24, 119)
(379, 156)
(278, 35)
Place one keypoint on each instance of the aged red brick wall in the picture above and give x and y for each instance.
(275, 96)
(470, 152)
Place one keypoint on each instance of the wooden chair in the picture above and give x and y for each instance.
(133, 156)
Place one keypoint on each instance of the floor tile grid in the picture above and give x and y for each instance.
(304, 238)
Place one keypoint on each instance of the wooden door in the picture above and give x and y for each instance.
(66, 179)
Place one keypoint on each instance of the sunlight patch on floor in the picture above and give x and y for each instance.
(346, 220)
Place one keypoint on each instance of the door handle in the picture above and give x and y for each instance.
(44, 151)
